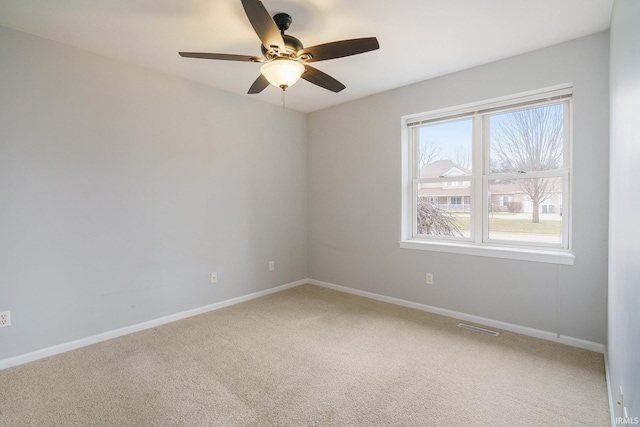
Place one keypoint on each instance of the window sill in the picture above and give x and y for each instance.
(521, 254)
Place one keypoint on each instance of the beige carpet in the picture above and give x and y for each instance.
(310, 356)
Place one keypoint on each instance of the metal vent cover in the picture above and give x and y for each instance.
(478, 329)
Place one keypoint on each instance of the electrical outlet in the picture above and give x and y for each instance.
(621, 401)
(5, 318)
(272, 266)
(214, 277)
(429, 279)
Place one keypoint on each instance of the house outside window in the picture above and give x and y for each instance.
(494, 174)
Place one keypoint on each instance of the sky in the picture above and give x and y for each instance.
(455, 137)
(450, 137)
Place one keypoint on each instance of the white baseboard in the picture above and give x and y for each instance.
(537, 333)
(609, 388)
(61, 348)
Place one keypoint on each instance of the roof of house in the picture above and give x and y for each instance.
(443, 168)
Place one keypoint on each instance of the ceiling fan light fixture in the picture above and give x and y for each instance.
(284, 54)
(282, 72)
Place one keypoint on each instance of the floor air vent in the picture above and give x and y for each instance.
(477, 329)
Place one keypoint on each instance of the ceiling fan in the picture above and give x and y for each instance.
(285, 58)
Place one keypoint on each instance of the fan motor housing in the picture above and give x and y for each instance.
(292, 44)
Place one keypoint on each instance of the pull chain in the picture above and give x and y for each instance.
(282, 95)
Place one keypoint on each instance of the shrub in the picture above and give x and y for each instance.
(434, 220)
(515, 207)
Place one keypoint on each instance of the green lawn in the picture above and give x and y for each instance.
(502, 223)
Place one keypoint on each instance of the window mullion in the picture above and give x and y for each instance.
(478, 201)
(460, 178)
(527, 174)
(568, 165)
(415, 169)
(414, 207)
(566, 214)
(413, 174)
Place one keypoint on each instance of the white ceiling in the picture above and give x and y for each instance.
(419, 39)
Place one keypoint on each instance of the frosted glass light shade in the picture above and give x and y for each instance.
(282, 72)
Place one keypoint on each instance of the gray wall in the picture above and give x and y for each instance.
(623, 340)
(122, 189)
(354, 199)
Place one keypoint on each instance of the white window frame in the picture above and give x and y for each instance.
(479, 243)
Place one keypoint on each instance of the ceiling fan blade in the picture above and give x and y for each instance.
(259, 85)
(339, 49)
(317, 77)
(264, 26)
(223, 56)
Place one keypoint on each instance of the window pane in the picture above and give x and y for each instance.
(527, 140)
(444, 149)
(444, 209)
(526, 210)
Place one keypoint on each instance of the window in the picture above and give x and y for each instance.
(491, 176)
